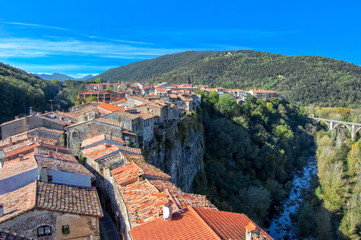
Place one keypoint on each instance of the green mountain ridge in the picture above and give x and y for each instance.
(21, 90)
(303, 80)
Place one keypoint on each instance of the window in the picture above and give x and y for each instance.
(44, 231)
(50, 178)
(65, 229)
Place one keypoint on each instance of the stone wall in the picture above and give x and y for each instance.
(27, 223)
(77, 133)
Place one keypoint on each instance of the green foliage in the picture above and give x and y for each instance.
(336, 203)
(20, 91)
(251, 150)
(303, 80)
(213, 97)
(91, 99)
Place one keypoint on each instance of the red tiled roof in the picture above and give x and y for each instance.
(182, 226)
(16, 166)
(68, 199)
(52, 197)
(22, 150)
(108, 107)
(136, 168)
(144, 202)
(101, 137)
(109, 149)
(228, 225)
(181, 198)
(196, 223)
(62, 165)
(18, 201)
(126, 174)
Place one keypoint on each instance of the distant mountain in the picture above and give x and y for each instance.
(87, 77)
(303, 80)
(62, 77)
(55, 76)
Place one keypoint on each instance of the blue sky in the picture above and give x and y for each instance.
(88, 37)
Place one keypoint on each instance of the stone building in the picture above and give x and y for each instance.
(51, 211)
(30, 122)
(76, 133)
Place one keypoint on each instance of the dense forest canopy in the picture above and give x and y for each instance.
(259, 145)
(303, 80)
(21, 90)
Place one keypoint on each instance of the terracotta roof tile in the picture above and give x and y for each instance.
(182, 226)
(143, 200)
(16, 166)
(107, 150)
(196, 223)
(181, 198)
(62, 165)
(19, 201)
(68, 199)
(28, 148)
(101, 137)
(108, 107)
(228, 225)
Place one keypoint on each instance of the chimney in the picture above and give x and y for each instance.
(1, 209)
(167, 211)
(1, 163)
(21, 157)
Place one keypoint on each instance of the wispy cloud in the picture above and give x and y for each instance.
(27, 47)
(35, 25)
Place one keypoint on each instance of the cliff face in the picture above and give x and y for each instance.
(179, 151)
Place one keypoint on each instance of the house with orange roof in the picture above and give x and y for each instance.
(41, 210)
(108, 108)
(139, 193)
(199, 223)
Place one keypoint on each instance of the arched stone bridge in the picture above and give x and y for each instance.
(333, 124)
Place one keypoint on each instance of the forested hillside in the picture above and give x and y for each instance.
(332, 209)
(251, 151)
(20, 90)
(303, 80)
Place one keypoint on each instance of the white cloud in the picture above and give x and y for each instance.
(35, 25)
(27, 47)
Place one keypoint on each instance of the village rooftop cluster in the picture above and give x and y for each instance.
(60, 170)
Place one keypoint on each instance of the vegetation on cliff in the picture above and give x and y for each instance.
(303, 80)
(332, 209)
(251, 151)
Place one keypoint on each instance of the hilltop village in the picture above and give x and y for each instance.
(61, 171)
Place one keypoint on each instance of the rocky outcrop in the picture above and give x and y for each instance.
(179, 151)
